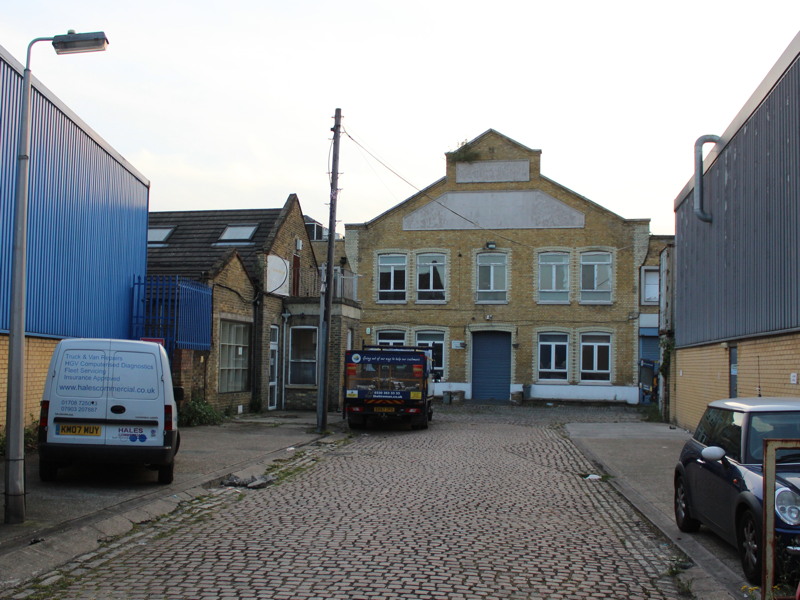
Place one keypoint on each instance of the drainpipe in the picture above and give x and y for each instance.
(698, 175)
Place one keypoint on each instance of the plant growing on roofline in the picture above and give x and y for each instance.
(464, 154)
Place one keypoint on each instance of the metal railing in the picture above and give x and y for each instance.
(345, 284)
(174, 309)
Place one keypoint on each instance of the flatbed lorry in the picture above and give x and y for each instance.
(388, 382)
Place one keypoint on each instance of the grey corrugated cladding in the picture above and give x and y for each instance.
(87, 219)
(738, 276)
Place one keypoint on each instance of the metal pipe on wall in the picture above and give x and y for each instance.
(698, 175)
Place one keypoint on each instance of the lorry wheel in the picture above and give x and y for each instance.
(166, 473)
(48, 470)
(356, 422)
(420, 422)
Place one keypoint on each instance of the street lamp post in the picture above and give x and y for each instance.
(70, 43)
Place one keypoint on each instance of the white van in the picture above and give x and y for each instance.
(108, 401)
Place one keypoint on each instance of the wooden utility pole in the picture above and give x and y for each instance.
(325, 336)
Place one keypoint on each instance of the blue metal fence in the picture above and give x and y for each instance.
(174, 309)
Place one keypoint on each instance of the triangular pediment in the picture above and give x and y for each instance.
(523, 209)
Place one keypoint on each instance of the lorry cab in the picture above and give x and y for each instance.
(388, 382)
(108, 401)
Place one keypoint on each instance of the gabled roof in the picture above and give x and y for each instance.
(494, 132)
(464, 154)
(194, 249)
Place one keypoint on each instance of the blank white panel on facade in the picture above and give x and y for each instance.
(493, 171)
(526, 209)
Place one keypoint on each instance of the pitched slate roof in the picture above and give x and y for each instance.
(193, 249)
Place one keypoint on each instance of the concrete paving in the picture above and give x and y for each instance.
(472, 485)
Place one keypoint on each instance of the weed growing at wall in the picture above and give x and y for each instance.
(31, 438)
(198, 412)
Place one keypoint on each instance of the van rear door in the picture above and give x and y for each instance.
(78, 398)
(135, 397)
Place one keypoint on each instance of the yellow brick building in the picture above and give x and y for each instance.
(520, 285)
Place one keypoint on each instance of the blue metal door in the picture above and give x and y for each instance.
(649, 347)
(491, 366)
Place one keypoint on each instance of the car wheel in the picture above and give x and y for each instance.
(166, 473)
(749, 540)
(683, 518)
(48, 470)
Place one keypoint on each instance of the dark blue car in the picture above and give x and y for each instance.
(719, 478)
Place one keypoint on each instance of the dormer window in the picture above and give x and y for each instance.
(237, 234)
(157, 236)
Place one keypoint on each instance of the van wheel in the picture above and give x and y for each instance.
(48, 470)
(166, 472)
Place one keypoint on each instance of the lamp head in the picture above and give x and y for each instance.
(74, 43)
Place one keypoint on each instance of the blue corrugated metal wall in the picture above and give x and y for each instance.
(87, 220)
(738, 275)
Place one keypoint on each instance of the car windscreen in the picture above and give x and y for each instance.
(772, 425)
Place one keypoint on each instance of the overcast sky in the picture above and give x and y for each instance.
(230, 104)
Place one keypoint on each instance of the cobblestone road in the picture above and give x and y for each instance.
(488, 503)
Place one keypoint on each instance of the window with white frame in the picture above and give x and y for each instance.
(234, 356)
(391, 337)
(430, 277)
(650, 285)
(492, 285)
(303, 356)
(553, 356)
(596, 277)
(595, 357)
(434, 339)
(392, 277)
(553, 277)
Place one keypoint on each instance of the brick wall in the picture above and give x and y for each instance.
(344, 319)
(702, 374)
(768, 364)
(234, 294)
(38, 352)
